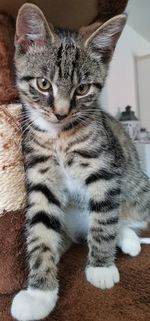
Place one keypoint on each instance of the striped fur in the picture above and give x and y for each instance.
(85, 160)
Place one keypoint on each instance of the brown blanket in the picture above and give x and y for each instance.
(79, 301)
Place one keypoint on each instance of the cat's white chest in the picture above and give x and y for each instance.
(76, 213)
(74, 187)
(69, 180)
(77, 222)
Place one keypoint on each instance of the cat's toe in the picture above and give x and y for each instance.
(102, 277)
(33, 304)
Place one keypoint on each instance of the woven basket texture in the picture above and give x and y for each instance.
(12, 179)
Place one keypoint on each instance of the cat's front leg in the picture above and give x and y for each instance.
(104, 203)
(44, 233)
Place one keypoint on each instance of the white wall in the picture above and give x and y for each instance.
(143, 75)
(121, 86)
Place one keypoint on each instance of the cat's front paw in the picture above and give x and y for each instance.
(33, 304)
(102, 277)
(129, 242)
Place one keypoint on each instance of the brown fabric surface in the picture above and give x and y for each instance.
(79, 301)
(8, 92)
(12, 262)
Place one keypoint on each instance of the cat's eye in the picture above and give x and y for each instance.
(82, 90)
(43, 84)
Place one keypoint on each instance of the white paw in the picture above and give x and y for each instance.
(129, 242)
(33, 304)
(102, 277)
(130, 247)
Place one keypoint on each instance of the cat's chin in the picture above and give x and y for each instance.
(59, 124)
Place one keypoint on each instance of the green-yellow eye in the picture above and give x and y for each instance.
(82, 90)
(43, 84)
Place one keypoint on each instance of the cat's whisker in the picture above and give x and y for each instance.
(28, 125)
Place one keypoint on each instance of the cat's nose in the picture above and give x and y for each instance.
(60, 117)
(61, 107)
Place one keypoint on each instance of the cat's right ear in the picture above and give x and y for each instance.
(32, 28)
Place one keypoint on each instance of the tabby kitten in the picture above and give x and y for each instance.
(82, 171)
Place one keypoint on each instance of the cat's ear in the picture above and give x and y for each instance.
(101, 39)
(32, 27)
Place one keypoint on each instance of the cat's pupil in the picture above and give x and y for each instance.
(81, 88)
(44, 82)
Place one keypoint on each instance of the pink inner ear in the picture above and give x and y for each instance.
(22, 26)
(29, 20)
(32, 28)
(26, 43)
(24, 33)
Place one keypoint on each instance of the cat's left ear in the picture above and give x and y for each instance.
(101, 39)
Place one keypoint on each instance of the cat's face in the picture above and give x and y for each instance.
(61, 73)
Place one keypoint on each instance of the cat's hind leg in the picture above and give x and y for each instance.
(135, 215)
(129, 238)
